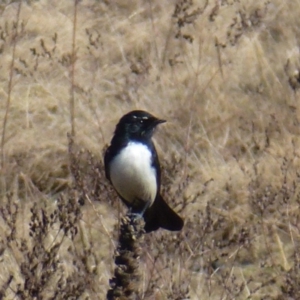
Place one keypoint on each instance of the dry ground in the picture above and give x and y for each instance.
(225, 74)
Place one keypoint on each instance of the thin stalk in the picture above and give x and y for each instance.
(10, 84)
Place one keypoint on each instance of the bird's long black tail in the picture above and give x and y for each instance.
(161, 215)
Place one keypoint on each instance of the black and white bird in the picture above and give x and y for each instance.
(132, 167)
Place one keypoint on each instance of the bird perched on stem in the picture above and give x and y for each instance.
(132, 167)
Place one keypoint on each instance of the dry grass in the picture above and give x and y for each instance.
(225, 74)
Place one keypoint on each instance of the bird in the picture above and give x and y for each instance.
(132, 167)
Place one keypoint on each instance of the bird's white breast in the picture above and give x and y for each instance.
(132, 174)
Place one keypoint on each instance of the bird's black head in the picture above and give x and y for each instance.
(137, 125)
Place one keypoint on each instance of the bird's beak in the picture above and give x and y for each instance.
(159, 121)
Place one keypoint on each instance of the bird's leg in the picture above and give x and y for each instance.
(145, 208)
(141, 213)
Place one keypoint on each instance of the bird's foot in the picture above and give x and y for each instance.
(136, 215)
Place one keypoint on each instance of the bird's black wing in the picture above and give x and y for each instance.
(159, 214)
(156, 165)
(107, 160)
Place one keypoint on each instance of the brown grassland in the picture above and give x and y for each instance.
(225, 74)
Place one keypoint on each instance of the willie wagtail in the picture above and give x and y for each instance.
(132, 167)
